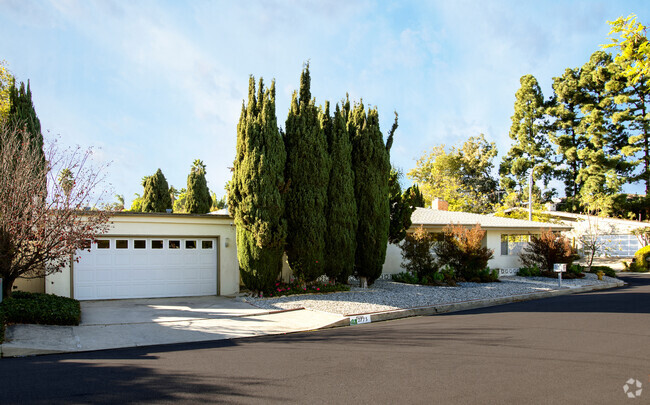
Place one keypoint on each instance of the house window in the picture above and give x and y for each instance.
(512, 244)
(139, 244)
(156, 244)
(206, 244)
(103, 244)
(174, 244)
(190, 244)
(122, 244)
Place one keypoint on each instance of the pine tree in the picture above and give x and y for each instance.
(307, 170)
(255, 197)
(198, 195)
(340, 238)
(156, 196)
(531, 149)
(566, 131)
(605, 169)
(371, 164)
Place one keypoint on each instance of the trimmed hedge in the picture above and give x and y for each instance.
(44, 309)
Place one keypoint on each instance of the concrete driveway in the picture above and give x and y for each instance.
(115, 324)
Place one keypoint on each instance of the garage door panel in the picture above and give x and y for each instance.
(139, 273)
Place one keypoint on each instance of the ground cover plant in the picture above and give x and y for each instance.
(37, 308)
(295, 287)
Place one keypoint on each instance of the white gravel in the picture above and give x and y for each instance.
(388, 295)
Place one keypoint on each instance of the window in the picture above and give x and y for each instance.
(190, 244)
(103, 244)
(122, 244)
(139, 244)
(206, 244)
(156, 244)
(512, 244)
(174, 244)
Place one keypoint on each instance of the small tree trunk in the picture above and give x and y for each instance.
(7, 286)
(363, 282)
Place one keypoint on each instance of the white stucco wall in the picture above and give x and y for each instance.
(169, 225)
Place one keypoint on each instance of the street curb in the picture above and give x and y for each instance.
(474, 304)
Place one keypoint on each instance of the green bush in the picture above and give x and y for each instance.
(575, 269)
(640, 262)
(295, 287)
(529, 271)
(405, 277)
(45, 309)
(416, 252)
(609, 272)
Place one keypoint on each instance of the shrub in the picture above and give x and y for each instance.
(405, 277)
(416, 252)
(547, 249)
(529, 271)
(640, 262)
(609, 272)
(46, 309)
(461, 249)
(296, 287)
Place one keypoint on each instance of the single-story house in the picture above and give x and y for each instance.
(505, 236)
(614, 235)
(146, 255)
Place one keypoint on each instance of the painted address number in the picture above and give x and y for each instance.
(359, 319)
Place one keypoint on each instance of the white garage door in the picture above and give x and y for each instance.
(146, 267)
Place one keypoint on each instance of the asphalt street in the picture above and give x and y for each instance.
(563, 350)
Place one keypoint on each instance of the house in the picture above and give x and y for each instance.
(146, 255)
(505, 236)
(614, 236)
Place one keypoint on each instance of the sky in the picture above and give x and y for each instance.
(158, 84)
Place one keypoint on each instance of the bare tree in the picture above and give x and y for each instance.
(592, 237)
(43, 216)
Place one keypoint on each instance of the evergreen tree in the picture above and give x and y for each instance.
(156, 193)
(307, 170)
(255, 197)
(605, 168)
(401, 208)
(566, 131)
(530, 149)
(371, 164)
(198, 195)
(414, 195)
(340, 238)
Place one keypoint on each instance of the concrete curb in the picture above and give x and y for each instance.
(474, 304)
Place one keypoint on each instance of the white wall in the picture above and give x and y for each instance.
(59, 283)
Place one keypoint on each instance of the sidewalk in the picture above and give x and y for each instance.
(144, 322)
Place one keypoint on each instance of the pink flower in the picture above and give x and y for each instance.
(318, 289)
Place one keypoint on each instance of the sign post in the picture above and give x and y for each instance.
(559, 268)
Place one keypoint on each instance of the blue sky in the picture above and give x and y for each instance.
(157, 84)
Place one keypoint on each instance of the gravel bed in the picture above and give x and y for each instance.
(386, 295)
(589, 279)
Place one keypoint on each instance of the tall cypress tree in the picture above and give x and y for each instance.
(307, 170)
(23, 115)
(340, 238)
(156, 196)
(255, 191)
(198, 195)
(371, 164)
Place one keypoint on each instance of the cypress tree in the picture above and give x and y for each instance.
(255, 191)
(156, 196)
(307, 170)
(371, 164)
(198, 195)
(401, 208)
(340, 238)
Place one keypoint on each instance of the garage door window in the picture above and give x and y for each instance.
(103, 244)
(206, 244)
(121, 244)
(156, 244)
(139, 244)
(190, 244)
(174, 244)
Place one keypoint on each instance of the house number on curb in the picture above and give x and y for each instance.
(359, 319)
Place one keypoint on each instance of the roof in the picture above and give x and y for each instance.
(570, 216)
(427, 216)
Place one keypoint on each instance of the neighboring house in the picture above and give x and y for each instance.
(613, 235)
(147, 255)
(505, 236)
